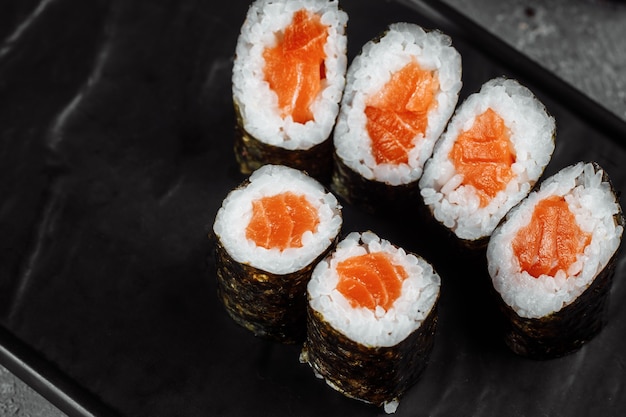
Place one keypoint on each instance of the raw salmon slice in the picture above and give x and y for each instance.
(399, 112)
(279, 221)
(294, 68)
(552, 239)
(484, 154)
(370, 280)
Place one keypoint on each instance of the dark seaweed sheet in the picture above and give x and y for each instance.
(116, 128)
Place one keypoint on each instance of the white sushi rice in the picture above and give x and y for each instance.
(594, 205)
(369, 72)
(258, 104)
(235, 214)
(532, 130)
(374, 328)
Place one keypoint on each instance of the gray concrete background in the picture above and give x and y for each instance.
(581, 41)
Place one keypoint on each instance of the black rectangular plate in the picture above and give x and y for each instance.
(116, 127)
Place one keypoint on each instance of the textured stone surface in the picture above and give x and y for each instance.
(19, 400)
(582, 41)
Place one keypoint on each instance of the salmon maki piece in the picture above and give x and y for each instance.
(269, 234)
(400, 92)
(372, 317)
(493, 152)
(551, 262)
(288, 80)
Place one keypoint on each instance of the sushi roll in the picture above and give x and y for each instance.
(372, 316)
(551, 262)
(400, 92)
(288, 79)
(494, 150)
(270, 232)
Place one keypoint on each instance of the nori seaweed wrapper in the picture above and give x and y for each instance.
(369, 195)
(376, 375)
(568, 329)
(563, 331)
(252, 154)
(271, 306)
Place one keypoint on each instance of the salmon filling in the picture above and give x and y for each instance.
(294, 68)
(279, 221)
(399, 112)
(370, 280)
(483, 154)
(551, 241)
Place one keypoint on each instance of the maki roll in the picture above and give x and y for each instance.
(400, 92)
(372, 316)
(494, 150)
(288, 79)
(551, 262)
(270, 232)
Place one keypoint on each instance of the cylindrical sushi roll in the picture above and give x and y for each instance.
(372, 317)
(400, 92)
(270, 232)
(492, 153)
(551, 262)
(288, 79)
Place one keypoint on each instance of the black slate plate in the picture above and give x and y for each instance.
(116, 128)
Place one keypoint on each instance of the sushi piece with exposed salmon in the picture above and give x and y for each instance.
(270, 232)
(551, 262)
(372, 317)
(494, 150)
(400, 92)
(288, 80)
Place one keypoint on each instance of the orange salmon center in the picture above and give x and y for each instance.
(370, 280)
(551, 240)
(399, 112)
(280, 221)
(484, 155)
(294, 68)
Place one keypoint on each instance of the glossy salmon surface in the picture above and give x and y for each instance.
(483, 154)
(399, 112)
(551, 241)
(279, 221)
(370, 280)
(295, 66)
